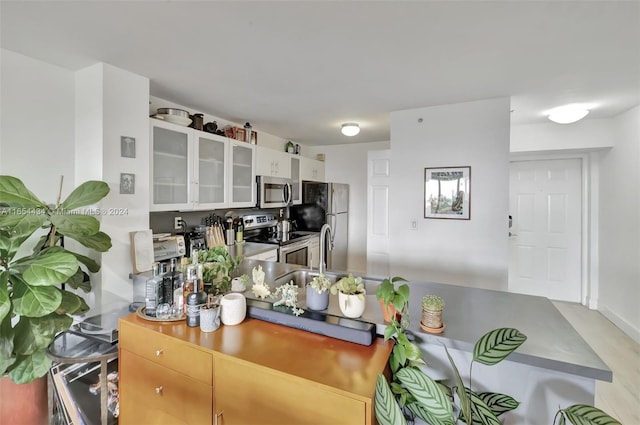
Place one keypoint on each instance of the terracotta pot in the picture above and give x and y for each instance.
(388, 311)
(24, 404)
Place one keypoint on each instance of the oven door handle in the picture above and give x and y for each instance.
(295, 246)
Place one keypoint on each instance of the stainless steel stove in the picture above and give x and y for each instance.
(293, 246)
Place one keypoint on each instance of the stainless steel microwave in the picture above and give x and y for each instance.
(273, 192)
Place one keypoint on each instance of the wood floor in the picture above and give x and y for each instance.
(620, 398)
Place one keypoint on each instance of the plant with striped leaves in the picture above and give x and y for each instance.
(413, 393)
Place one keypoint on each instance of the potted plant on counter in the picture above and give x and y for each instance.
(432, 307)
(351, 294)
(318, 293)
(34, 304)
(218, 265)
(392, 301)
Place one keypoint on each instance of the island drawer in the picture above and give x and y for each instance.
(177, 355)
(153, 394)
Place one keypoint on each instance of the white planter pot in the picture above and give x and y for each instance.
(233, 309)
(350, 305)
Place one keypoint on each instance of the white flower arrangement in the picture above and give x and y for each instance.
(260, 289)
(289, 297)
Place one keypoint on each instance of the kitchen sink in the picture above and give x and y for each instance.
(302, 277)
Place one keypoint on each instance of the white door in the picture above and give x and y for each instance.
(545, 243)
(378, 181)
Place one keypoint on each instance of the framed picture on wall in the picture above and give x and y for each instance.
(127, 183)
(127, 147)
(447, 192)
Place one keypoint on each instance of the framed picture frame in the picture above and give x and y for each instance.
(447, 193)
(127, 147)
(241, 135)
(127, 183)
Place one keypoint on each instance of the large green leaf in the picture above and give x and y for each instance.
(499, 403)
(6, 344)
(424, 414)
(75, 225)
(387, 410)
(497, 344)
(14, 193)
(426, 392)
(481, 413)
(72, 304)
(465, 403)
(100, 242)
(5, 302)
(50, 268)
(34, 301)
(36, 333)
(89, 263)
(80, 280)
(88, 193)
(30, 367)
(582, 414)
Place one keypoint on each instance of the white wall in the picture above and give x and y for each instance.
(583, 135)
(348, 164)
(465, 252)
(36, 124)
(112, 103)
(619, 230)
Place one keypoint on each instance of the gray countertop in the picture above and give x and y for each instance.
(248, 249)
(552, 343)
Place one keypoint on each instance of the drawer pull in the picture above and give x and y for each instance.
(159, 390)
(158, 352)
(216, 416)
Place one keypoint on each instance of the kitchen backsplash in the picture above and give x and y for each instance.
(162, 222)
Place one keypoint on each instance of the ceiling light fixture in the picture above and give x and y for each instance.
(350, 129)
(567, 114)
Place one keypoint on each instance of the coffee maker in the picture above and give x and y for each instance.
(195, 240)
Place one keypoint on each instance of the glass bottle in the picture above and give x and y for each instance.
(153, 291)
(239, 231)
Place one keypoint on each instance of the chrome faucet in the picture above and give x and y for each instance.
(325, 229)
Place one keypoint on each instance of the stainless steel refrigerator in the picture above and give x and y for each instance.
(326, 203)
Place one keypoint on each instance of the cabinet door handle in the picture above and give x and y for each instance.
(159, 390)
(216, 416)
(159, 352)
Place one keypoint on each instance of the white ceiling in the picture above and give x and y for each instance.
(299, 69)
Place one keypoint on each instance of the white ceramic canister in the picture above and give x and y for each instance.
(233, 309)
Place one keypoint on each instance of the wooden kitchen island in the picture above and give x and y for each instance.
(252, 373)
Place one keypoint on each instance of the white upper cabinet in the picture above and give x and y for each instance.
(210, 168)
(311, 169)
(242, 175)
(171, 166)
(296, 181)
(271, 162)
(195, 170)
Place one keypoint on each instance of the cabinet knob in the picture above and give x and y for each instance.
(159, 390)
(159, 352)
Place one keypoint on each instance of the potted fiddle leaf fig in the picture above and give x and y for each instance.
(35, 273)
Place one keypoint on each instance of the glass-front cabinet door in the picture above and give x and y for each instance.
(170, 166)
(296, 181)
(242, 174)
(211, 170)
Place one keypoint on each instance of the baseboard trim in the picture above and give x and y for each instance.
(623, 325)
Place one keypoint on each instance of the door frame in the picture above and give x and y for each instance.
(589, 267)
